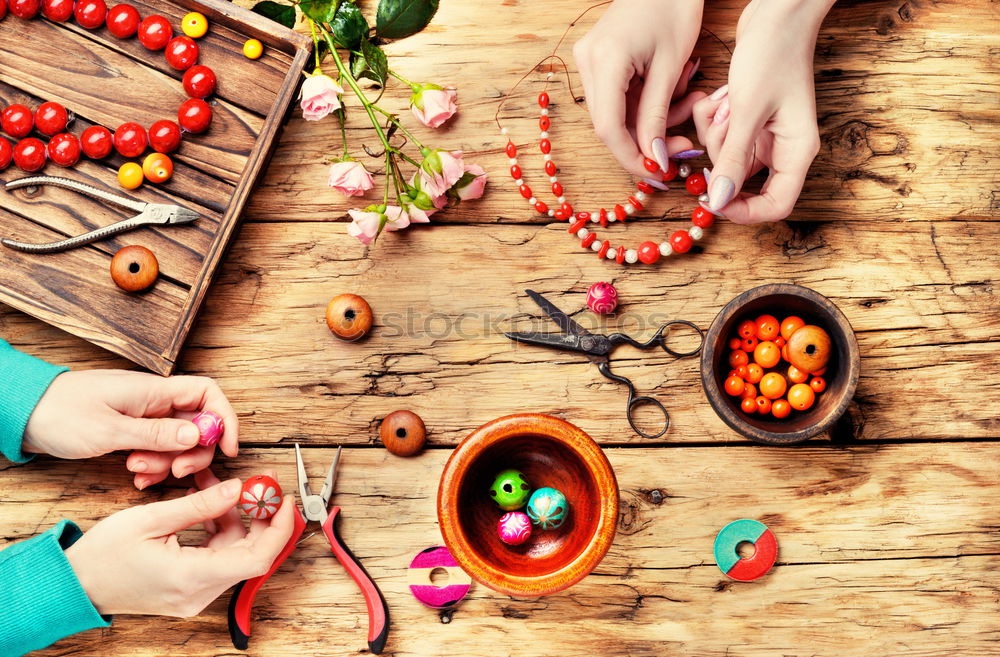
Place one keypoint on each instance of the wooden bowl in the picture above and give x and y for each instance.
(781, 300)
(550, 452)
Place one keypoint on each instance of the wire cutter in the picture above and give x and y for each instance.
(150, 214)
(597, 348)
(315, 509)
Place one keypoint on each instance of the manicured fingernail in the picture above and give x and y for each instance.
(720, 92)
(694, 69)
(722, 113)
(660, 153)
(717, 213)
(708, 174)
(688, 154)
(188, 435)
(657, 184)
(231, 488)
(720, 193)
(141, 483)
(139, 466)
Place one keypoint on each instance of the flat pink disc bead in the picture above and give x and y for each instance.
(210, 427)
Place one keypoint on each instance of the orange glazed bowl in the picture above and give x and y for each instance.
(551, 453)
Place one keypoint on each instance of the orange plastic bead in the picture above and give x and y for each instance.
(735, 343)
(253, 49)
(791, 325)
(795, 375)
(780, 341)
(767, 327)
(732, 373)
(157, 168)
(819, 372)
(749, 344)
(746, 329)
(749, 391)
(784, 352)
(763, 405)
(801, 397)
(773, 385)
(130, 175)
(754, 373)
(741, 371)
(809, 348)
(818, 384)
(781, 408)
(767, 354)
(748, 405)
(734, 386)
(738, 357)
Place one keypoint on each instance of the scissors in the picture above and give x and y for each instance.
(597, 348)
(150, 214)
(315, 509)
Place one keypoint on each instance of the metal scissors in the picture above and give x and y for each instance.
(597, 348)
(314, 508)
(150, 214)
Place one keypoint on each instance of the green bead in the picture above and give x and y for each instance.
(548, 508)
(510, 490)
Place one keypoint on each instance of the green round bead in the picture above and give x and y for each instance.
(510, 490)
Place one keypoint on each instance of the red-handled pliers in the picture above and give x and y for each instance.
(315, 508)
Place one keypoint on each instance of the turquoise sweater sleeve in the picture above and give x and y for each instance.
(23, 381)
(41, 600)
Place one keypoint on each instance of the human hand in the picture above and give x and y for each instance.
(132, 563)
(763, 118)
(89, 413)
(634, 64)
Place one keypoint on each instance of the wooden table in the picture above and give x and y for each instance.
(888, 531)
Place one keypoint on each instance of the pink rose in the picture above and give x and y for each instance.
(350, 178)
(320, 96)
(433, 105)
(365, 224)
(440, 170)
(471, 185)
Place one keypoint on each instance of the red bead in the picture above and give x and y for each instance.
(545, 146)
(123, 21)
(96, 142)
(199, 81)
(567, 207)
(64, 149)
(57, 11)
(261, 497)
(511, 149)
(194, 115)
(603, 217)
(696, 184)
(560, 215)
(90, 14)
(651, 165)
(29, 154)
(17, 121)
(620, 256)
(644, 187)
(671, 172)
(543, 99)
(155, 32)
(6, 150)
(681, 242)
(181, 53)
(540, 207)
(634, 202)
(544, 123)
(550, 167)
(620, 212)
(557, 189)
(702, 218)
(51, 118)
(26, 9)
(515, 172)
(525, 191)
(588, 240)
(577, 225)
(605, 245)
(649, 252)
(164, 136)
(583, 215)
(130, 140)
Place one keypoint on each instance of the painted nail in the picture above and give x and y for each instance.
(688, 154)
(720, 92)
(722, 113)
(660, 153)
(694, 69)
(717, 213)
(720, 193)
(139, 466)
(657, 184)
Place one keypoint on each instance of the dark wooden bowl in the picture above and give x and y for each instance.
(781, 300)
(550, 452)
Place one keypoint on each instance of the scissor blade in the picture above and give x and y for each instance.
(564, 341)
(561, 319)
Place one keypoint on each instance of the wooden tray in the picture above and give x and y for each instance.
(109, 81)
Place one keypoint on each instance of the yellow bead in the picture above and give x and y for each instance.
(194, 25)
(253, 49)
(130, 175)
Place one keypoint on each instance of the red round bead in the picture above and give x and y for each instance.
(511, 149)
(51, 118)
(696, 184)
(588, 240)
(545, 146)
(123, 21)
(130, 140)
(620, 212)
(649, 252)
(540, 207)
(644, 187)
(550, 167)
(17, 120)
(583, 215)
(567, 207)
(544, 123)
(671, 172)
(681, 242)
(620, 256)
(577, 225)
(155, 32)
(57, 11)
(605, 245)
(525, 191)
(560, 215)
(543, 99)
(181, 53)
(199, 81)
(557, 189)
(515, 172)
(6, 153)
(603, 217)
(634, 202)
(164, 136)
(29, 154)
(702, 218)
(90, 14)
(651, 165)
(194, 115)
(26, 9)
(64, 149)
(96, 142)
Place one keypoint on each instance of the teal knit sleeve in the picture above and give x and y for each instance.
(41, 600)
(23, 381)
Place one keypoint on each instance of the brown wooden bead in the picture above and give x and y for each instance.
(809, 348)
(403, 433)
(349, 316)
(134, 268)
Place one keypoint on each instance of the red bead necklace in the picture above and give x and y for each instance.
(648, 252)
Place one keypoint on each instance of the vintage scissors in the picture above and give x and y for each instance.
(315, 509)
(150, 214)
(597, 348)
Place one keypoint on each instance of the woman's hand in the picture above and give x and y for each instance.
(634, 63)
(89, 413)
(132, 563)
(766, 115)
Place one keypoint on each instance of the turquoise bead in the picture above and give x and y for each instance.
(548, 508)
(510, 490)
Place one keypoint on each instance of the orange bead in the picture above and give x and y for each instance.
(767, 327)
(749, 344)
(754, 373)
(763, 405)
(773, 385)
(735, 343)
(784, 352)
(809, 348)
(734, 386)
(767, 354)
(157, 168)
(781, 408)
(791, 325)
(818, 384)
(795, 375)
(780, 341)
(801, 397)
(819, 372)
(738, 357)
(741, 371)
(749, 391)
(746, 329)
(748, 405)
(732, 373)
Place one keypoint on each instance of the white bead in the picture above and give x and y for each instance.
(684, 171)
(703, 198)
(696, 232)
(513, 161)
(665, 249)
(561, 200)
(504, 131)
(596, 246)
(629, 208)
(519, 182)
(553, 179)
(544, 111)
(583, 232)
(544, 134)
(631, 256)
(612, 253)
(594, 218)
(532, 200)
(612, 218)
(547, 157)
(640, 196)
(551, 213)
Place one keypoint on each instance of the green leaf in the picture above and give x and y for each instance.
(321, 11)
(283, 14)
(358, 65)
(378, 65)
(349, 26)
(397, 19)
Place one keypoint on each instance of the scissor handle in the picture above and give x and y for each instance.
(658, 338)
(634, 401)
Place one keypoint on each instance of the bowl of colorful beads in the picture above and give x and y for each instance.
(528, 504)
(780, 364)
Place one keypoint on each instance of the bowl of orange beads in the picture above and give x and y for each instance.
(780, 363)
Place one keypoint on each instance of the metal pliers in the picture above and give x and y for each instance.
(150, 214)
